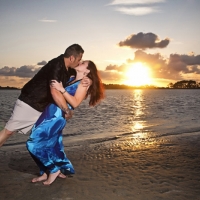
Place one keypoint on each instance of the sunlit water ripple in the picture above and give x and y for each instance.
(134, 113)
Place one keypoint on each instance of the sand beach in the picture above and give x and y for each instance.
(159, 169)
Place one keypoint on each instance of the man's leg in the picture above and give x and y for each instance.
(4, 135)
(22, 119)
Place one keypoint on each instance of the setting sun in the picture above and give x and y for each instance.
(138, 74)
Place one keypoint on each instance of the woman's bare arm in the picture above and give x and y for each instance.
(75, 100)
(79, 96)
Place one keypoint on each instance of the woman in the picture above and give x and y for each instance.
(45, 142)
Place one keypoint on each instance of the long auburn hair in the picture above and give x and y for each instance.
(96, 90)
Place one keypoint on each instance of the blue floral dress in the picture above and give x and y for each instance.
(45, 142)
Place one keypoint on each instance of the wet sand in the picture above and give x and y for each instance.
(137, 169)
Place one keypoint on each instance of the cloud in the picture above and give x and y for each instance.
(24, 71)
(42, 63)
(157, 63)
(144, 40)
(110, 77)
(111, 67)
(173, 68)
(47, 20)
(136, 7)
(137, 11)
(184, 63)
(132, 2)
(176, 67)
(120, 68)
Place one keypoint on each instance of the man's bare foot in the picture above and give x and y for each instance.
(61, 175)
(40, 178)
(52, 177)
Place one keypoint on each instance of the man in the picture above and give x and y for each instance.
(37, 93)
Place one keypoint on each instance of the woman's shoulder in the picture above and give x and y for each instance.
(74, 82)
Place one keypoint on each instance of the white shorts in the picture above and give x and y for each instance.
(23, 117)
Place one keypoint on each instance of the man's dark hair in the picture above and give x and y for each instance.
(73, 50)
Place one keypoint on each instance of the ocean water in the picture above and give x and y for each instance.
(150, 113)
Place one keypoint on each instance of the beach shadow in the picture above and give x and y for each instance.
(22, 162)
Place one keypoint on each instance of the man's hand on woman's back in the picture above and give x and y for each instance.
(86, 82)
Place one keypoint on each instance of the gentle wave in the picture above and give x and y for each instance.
(123, 113)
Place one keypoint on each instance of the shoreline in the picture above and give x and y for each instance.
(164, 169)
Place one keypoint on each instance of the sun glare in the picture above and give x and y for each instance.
(137, 75)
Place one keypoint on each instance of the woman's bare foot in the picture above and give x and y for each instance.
(52, 177)
(61, 175)
(40, 178)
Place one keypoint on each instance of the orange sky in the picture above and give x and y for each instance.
(132, 42)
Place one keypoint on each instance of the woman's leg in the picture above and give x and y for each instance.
(43, 145)
(60, 160)
(43, 175)
(39, 178)
(52, 177)
(66, 166)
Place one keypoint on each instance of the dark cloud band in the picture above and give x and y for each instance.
(144, 41)
(24, 71)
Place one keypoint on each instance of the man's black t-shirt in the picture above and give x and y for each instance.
(36, 93)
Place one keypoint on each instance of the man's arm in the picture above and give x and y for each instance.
(55, 72)
(58, 98)
(61, 102)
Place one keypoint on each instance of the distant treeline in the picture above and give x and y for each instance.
(185, 84)
(117, 86)
(9, 88)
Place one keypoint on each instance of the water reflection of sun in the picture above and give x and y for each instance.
(138, 74)
(138, 124)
